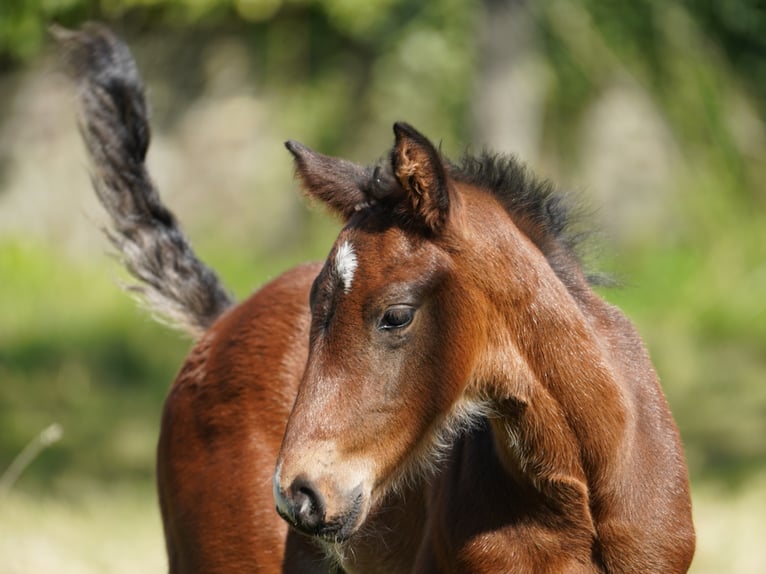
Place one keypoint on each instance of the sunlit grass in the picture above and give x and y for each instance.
(119, 531)
(731, 528)
(98, 532)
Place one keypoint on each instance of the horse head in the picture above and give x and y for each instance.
(397, 333)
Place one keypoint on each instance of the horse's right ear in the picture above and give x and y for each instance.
(336, 182)
(420, 170)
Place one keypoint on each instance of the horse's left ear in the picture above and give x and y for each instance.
(420, 171)
(336, 182)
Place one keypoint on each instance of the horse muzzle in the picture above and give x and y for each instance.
(320, 512)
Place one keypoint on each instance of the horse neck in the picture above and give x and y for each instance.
(391, 535)
(559, 409)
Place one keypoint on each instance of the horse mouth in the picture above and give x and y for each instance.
(341, 528)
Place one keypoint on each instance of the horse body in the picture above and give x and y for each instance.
(444, 393)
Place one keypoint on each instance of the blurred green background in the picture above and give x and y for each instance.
(652, 110)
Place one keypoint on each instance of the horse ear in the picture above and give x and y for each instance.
(337, 183)
(420, 171)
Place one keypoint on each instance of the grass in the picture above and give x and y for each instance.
(98, 531)
(731, 528)
(118, 530)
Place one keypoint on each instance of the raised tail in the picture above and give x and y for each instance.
(173, 283)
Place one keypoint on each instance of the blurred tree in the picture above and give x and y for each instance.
(739, 28)
(702, 63)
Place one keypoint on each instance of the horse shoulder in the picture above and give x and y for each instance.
(645, 522)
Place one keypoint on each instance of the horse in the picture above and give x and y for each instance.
(453, 299)
(445, 393)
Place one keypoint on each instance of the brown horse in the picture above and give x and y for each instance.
(452, 299)
(456, 398)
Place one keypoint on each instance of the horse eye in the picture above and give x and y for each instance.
(397, 317)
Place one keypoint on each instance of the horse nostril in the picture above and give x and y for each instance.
(308, 505)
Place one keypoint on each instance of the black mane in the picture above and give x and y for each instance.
(550, 218)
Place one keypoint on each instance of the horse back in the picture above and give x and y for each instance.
(221, 430)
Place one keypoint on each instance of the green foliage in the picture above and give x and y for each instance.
(87, 362)
(699, 305)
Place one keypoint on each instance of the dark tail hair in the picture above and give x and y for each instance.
(174, 284)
